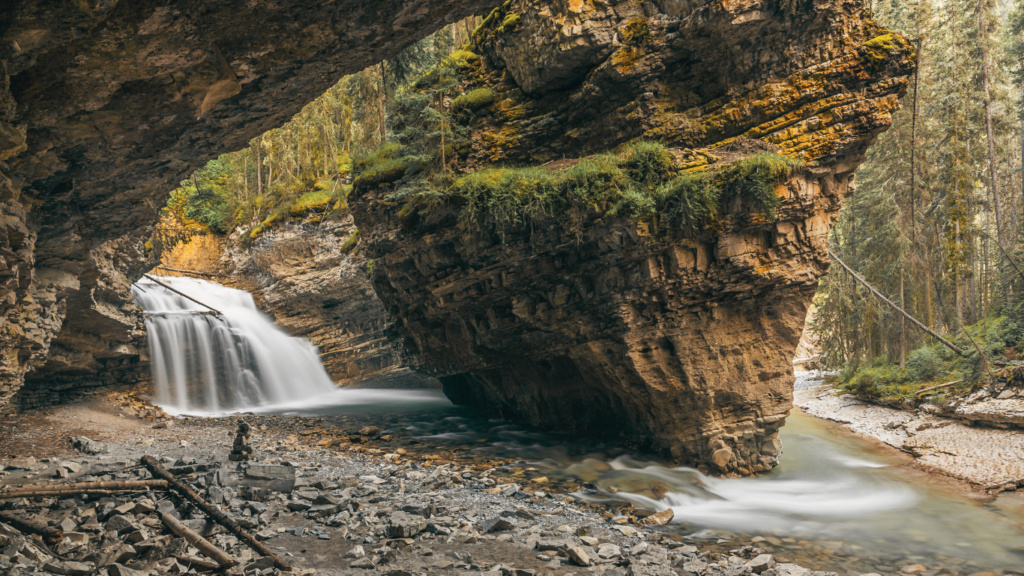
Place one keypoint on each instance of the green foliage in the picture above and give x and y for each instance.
(929, 365)
(638, 182)
(647, 162)
(689, 202)
(924, 364)
(753, 180)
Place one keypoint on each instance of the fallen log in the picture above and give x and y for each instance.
(222, 558)
(216, 515)
(208, 275)
(38, 493)
(180, 293)
(930, 388)
(109, 485)
(25, 524)
(892, 304)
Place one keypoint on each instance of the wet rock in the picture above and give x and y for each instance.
(660, 518)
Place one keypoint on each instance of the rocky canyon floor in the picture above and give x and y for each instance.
(402, 494)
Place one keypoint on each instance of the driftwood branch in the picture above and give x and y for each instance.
(114, 485)
(216, 515)
(35, 490)
(193, 272)
(930, 388)
(879, 295)
(25, 524)
(222, 558)
(51, 493)
(180, 293)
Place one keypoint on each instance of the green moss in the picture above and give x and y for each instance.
(647, 162)
(385, 165)
(279, 215)
(256, 232)
(636, 32)
(350, 243)
(463, 58)
(473, 100)
(509, 23)
(880, 47)
(317, 200)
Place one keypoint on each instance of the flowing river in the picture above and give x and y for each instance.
(836, 502)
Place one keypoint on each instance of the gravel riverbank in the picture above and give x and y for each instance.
(990, 459)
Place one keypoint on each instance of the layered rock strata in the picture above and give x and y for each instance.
(618, 326)
(105, 106)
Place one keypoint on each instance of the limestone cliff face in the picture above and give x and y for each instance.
(619, 327)
(105, 106)
(300, 276)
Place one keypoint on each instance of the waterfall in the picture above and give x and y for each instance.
(235, 361)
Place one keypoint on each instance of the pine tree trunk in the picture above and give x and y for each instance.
(993, 186)
(380, 103)
(259, 170)
(903, 324)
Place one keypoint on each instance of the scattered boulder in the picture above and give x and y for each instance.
(88, 446)
(495, 525)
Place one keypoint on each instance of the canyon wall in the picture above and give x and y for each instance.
(616, 326)
(105, 106)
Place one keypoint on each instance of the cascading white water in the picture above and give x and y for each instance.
(235, 361)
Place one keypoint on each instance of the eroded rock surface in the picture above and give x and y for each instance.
(614, 326)
(104, 107)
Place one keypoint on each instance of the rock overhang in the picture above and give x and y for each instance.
(678, 342)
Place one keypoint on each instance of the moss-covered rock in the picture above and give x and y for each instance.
(473, 100)
(317, 200)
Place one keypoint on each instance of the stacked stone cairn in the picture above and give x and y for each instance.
(241, 450)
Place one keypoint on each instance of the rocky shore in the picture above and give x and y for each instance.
(324, 504)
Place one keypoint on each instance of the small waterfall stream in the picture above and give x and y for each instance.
(213, 364)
